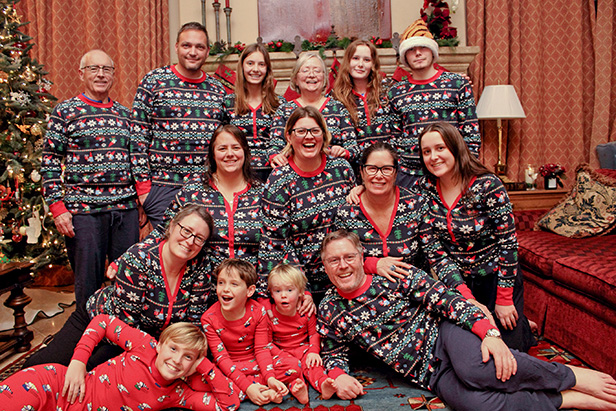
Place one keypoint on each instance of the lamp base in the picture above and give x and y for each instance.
(500, 169)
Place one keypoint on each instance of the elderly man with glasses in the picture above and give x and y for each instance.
(93, 200)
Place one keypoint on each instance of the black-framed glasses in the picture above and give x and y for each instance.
(302, 132)
(107, 70)
(371, 170)
(186, 233)
(335, 261)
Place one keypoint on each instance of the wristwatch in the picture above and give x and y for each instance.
(493, 332)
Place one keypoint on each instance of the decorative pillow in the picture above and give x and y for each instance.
(588, 210)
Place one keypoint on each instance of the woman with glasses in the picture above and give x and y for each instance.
(309, 79)
(390, 222)
(473, 220)
(361, 88)
(157, 283)
(300, 201)
(230, 193)
(251, 108)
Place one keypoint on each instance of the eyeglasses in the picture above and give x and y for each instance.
(107, 70)
(385, 170)
(314, 70)
(302, 132)
(335, 261)
(186, 233)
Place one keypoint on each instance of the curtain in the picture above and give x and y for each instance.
(135, 34)
(560, 58)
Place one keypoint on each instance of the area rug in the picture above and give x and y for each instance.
(384, 389)
(45, 304)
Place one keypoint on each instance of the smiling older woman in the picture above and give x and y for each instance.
(309, 78)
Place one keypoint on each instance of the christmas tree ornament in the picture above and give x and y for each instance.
(33, 231)
(17, 238)
(22, 230)
(35, 176)
(28, 74)
(36, 129)
(4, 259)
(4, 76)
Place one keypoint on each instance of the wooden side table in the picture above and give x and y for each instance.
(535, 199)
(14, 277)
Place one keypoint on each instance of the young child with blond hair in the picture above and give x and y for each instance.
(295, 335)
(148, 375)
(238, 332)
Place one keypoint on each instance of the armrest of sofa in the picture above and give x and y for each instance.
(525, 219)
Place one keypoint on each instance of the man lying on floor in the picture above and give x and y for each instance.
(435, 338)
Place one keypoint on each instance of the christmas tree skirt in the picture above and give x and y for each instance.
(45, 303)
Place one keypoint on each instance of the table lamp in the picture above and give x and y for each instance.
(499, 102)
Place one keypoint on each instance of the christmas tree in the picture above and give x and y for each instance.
(27, 231)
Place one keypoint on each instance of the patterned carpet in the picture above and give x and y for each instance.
(384, 389)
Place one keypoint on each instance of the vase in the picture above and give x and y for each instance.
(550, 183)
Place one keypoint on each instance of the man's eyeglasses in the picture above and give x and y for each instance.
(385, 170)
(335, 261)
(186, 233)
(107, 70)
(302, 132)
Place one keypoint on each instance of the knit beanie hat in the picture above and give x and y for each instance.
(417, 35)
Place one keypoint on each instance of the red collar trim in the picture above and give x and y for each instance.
(359, 291)
(311, 173)
(430, 80)
(186, 79)
(93, 104)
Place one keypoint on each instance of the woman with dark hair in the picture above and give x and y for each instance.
(230, 193)
(157, 283)
(391, 222)
(252, 106)
(473, 220)
(300, 201)
(309, 79)
(361, 88)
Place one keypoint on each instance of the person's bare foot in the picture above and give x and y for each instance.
(328, 388)
(273, 396)
(299, 390)
(583, 401)
(594, 383)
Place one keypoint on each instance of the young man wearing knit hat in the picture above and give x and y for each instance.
(428, 96)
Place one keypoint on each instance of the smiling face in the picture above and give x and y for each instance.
(379, 184)
(175, 360)
(232, 294)
(228, 154)
(97, 85)
(419, 58)
(192, 50)
(311, 77)
(285, 295)
(361, 63)
(255, 68)
(306, 149)
(344, 265)
(436, 156)
(185, 248)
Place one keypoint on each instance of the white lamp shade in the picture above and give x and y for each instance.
(499, 102)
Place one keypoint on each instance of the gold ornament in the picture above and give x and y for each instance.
(29, 75)
(23, 127)
(36, 130)
(4, 77)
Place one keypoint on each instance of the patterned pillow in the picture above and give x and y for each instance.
(588, 210)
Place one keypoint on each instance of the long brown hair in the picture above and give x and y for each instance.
(241, 139)
(343, 87)
(270, 99)
(467, 165)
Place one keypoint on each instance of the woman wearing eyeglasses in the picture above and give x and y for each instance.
(309, 79)
(390, 222)
(157, 283)
(300, 201)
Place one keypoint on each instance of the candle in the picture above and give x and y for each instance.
(227, 3)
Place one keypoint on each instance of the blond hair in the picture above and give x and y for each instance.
(288, 274)
(186, 334)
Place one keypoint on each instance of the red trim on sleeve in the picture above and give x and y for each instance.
(504, 296)
(465, 291)
(481, 327)
(143, 187)
(335, 373)
(370, 265)
(58, 208)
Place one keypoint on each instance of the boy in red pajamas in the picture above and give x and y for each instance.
(237, 331)
(147, 376)
(296, 335)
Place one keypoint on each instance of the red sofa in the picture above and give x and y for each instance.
(570, 289)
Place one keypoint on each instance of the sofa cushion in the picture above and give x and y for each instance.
(538, 250)
(593, 275)
(588, 210)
